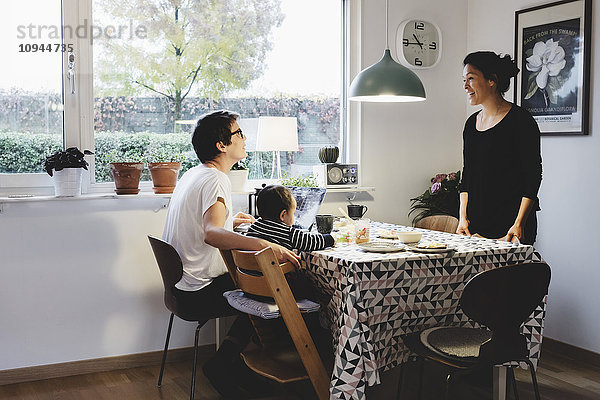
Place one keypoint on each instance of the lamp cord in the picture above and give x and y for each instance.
(387, 46)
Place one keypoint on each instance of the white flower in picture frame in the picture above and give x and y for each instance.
(547, 60)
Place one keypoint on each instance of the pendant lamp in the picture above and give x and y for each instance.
(386, 81)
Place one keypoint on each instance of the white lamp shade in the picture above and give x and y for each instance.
(277, 134)
(250, 128)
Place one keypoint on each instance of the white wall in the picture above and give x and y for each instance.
(568, 233)
(79, 281)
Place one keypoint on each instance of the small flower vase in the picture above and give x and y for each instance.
(67, 182)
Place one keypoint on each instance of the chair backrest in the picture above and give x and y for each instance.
(260, 273)
(503, 298)
(246, 273)
(171, 268)
(442, 223)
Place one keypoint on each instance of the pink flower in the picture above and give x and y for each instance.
(436, 187)
(452, 176)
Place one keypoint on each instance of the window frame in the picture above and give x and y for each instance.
(78, 114)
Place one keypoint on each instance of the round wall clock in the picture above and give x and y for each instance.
(418, 43)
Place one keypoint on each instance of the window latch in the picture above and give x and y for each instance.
(71, 70)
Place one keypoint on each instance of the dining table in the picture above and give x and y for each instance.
(370, 299)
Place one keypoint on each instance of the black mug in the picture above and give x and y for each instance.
(356, 211)
(324, 223)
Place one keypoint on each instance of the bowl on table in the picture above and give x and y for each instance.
(409, 236)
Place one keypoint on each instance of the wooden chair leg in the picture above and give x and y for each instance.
(533, 379)
(164, 357)
(513, 381)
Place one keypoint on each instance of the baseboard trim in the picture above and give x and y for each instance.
(40, 372)
(562, 349)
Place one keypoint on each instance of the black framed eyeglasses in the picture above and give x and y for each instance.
(238, 132)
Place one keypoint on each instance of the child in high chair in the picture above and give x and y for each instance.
(276, 208)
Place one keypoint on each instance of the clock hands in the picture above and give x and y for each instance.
(417, 39)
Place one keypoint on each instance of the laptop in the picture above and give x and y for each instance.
(308, 201)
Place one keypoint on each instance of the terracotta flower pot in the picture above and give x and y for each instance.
(164, 176)
(127, 176)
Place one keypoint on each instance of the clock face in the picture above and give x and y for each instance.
(418, 43)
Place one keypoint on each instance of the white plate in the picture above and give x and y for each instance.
(419, 250)
(381, 247)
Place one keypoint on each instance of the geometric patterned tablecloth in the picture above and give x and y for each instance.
(370, 299)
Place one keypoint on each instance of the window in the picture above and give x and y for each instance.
(157, 68)
(31, 102)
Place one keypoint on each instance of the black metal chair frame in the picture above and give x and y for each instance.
(171, 269)
(500, 299)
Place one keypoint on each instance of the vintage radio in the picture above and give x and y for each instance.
(336, 175)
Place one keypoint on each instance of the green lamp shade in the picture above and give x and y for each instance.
(387, 81)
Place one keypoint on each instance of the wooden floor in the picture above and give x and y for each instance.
(560, 378)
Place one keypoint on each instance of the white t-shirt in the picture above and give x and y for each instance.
(197, 190)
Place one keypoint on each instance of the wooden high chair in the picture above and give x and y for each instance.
(259, 273)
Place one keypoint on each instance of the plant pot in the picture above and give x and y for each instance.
(67, 182)
(164, 176)
(238, 179)
(329, 154)
(127, 176)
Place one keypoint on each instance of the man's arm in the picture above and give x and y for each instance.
(217, 236)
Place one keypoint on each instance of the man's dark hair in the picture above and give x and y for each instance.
(272, 200)
(211, 129)
(494, 67)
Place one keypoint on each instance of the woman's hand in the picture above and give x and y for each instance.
(463, 227)
(241, 218)
(515, 231)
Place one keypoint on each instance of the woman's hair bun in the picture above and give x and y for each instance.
(508, 66)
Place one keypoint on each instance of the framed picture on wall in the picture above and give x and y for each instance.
(552, 50)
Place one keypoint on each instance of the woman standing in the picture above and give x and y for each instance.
(502, 164)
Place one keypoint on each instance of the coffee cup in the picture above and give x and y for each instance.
(324, 223)
(356, 211)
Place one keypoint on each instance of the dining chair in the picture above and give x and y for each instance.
(442, 223)
(499, 299)
(171, 270)
(260, 274)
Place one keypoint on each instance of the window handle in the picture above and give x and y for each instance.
(71, 70)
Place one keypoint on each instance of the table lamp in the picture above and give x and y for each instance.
(277, 134)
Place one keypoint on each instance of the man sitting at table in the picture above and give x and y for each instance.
(199, 222)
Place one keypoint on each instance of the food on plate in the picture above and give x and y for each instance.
(431, 245)
(387, 234)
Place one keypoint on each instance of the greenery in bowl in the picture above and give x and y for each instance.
(442, 198)
(69, 158)
(305, 181)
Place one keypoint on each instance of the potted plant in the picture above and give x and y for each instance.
(65, 168)
(238, 176)
(164, 168)
(126, 170)
(442, 198)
